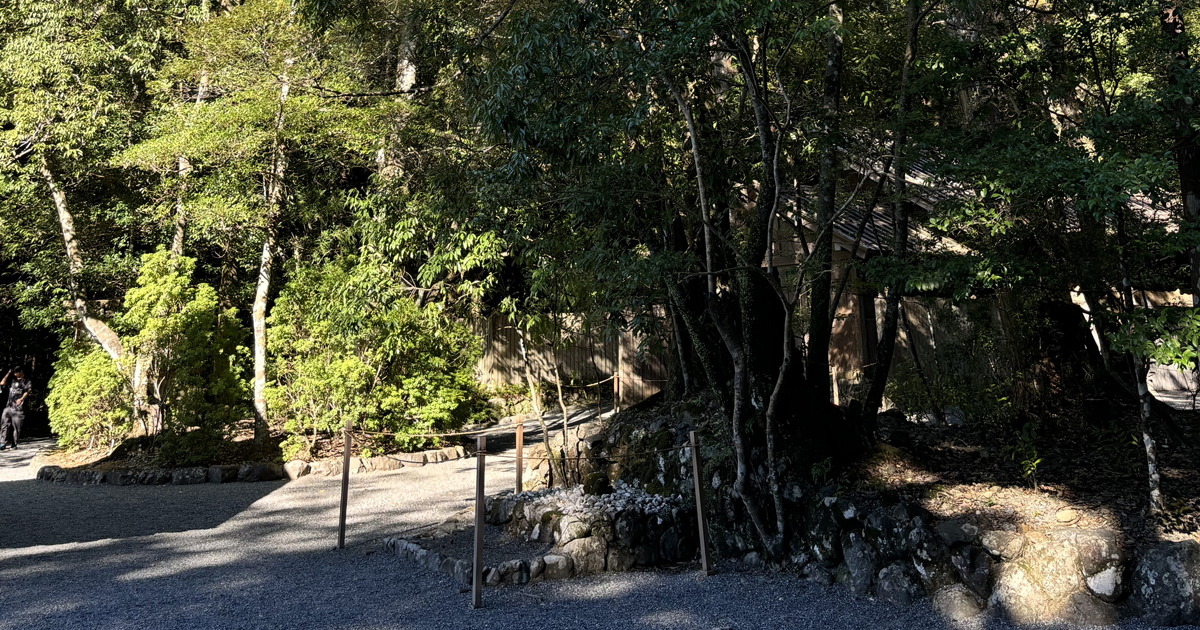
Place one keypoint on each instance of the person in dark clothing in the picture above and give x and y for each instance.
(14, 412)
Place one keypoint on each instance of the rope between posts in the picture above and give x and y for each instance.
(526, 424)
(542, 458)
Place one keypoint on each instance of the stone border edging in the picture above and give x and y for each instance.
(512, 572)
(259, 471)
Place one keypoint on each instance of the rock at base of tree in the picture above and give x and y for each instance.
(260, 472)
(222, 474)
(296, 469)
(558, 567)
(899, 584)
(1166, 584)
(956, 603)
(188, 476)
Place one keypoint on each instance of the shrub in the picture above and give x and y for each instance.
(347, 341)
(88, 402)
(193, 355)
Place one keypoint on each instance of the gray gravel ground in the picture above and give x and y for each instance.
(261, 556)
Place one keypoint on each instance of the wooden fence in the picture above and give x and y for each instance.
(585, 356)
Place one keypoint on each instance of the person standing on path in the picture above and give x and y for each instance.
(14, 413)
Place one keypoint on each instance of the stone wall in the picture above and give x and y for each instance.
(897, 553)
(616, 531)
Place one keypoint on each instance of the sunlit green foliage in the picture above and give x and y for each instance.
(349, 343)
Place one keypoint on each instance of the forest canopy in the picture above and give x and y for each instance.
(287, 213)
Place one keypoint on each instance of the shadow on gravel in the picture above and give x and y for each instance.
(39, 513)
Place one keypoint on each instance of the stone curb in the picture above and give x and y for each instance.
(512, 572)
(260, 471)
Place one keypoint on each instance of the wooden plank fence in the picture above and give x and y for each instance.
(586, 356)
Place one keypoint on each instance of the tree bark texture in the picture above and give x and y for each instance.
(1186, 149)
(274, 197)
(97, 329)
(887, 342)
(821, 324)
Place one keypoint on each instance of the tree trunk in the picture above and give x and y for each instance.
(1186, 150)
(891, 316)
(821, 324)
(274, 197)
(258, 316)
(97, 329)
(1144, 413)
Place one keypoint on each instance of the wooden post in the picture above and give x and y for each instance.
(520, 454)
(617, 378)
(477, 566)
(345, 485)
(705, 563)
(837, 399)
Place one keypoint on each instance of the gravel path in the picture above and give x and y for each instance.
(261, 556)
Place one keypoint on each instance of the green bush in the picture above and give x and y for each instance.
(88, 401)
(347, 341)
(186, 355)
(194, 357)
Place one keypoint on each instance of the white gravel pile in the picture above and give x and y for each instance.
(574, 502)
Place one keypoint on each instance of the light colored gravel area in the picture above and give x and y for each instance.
(14, 465)
(260, 555)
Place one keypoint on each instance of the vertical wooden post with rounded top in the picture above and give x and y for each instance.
(477, 560)
(520, 453)
(345, 485)
(705, 563)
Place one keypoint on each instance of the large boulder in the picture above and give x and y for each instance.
(974, 567)
(558, 567)
(296, 469)
(1166, 584)
(587, 554)
(861, 561)
(886, 534)
(1049, 582)
(188, 476)
(154, 477)
(120, 478)
(571, 528)
(1003, 545)
(222, 474)
(930, 556)
(899, 584)
(261, 471)
(956, 603)
(823, 536)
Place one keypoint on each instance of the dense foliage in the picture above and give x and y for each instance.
(349, 343)
(283, 211)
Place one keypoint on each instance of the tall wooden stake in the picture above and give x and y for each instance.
(477, 567)
(617, 379)
(705, 563)
(345, 485)
(520, 454)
